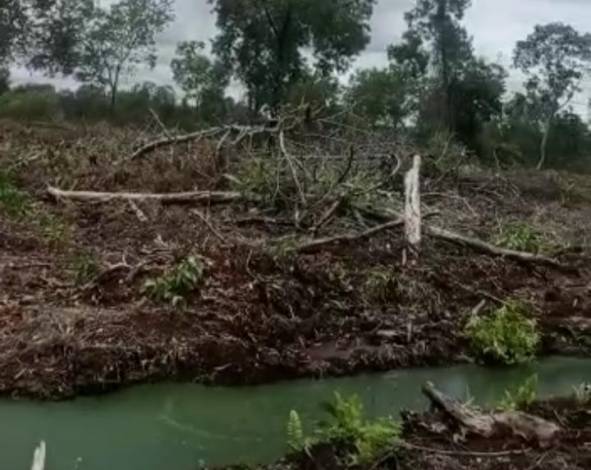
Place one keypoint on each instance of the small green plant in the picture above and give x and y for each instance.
(507, 336)
(347, 426)
(13, 202)
(262, 178)
(53, 228)
(283, 249)
(85, 267)
(522, 396)
(296, 440)
(582, 393)
(381, 285)
(521, 237)
(175, 285)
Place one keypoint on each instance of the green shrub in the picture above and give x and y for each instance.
(381, 285)
(347, 427)
(262, 178)
(521, 237)
(30, 105)
(175, 285)
(507, 336)
(13, 202)
(53, 228)
(522, 396)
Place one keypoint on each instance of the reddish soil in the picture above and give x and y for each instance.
(256, 317)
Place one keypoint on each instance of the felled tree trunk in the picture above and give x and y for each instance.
(530, 428)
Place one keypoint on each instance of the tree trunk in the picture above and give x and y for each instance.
(544, 145)
(113, 96)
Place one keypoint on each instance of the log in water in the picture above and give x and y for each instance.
(177, 426)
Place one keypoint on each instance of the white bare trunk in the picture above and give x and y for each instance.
(39, 457)
(412, 206)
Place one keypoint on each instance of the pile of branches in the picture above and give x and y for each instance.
(327, 178)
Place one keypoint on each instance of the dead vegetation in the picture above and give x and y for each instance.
(301, 228)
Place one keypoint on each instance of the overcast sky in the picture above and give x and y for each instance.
(496, 25)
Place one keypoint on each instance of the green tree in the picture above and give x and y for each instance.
(263, 41)
(203, 81)
(112, 44)
(4, 80)
(437, 23)
(554, 58)
(13, 21)
(380, 96)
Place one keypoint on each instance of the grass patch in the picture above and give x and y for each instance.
(522, 396)
(507, 336)
(13, 202)
(366, 440)
(85, 267)
(175, 285)
(520, 236)
(381, 285)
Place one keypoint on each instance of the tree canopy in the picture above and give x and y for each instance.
(553, 58)
(263, 41)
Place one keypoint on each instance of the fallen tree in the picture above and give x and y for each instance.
(530, 428)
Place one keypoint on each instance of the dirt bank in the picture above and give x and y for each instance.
(74, 317)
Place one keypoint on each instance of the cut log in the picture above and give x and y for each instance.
(194, 197)
(498, 424)
(412, 205)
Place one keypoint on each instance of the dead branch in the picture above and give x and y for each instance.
(494, 250)
(193, 197)
(292, 168)
(313, 245)
(530, 428)
(460, 453)
(209, 225)
(245, 130)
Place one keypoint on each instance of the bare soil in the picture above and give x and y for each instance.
(257, 317)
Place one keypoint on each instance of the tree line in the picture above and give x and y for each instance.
(285, 52)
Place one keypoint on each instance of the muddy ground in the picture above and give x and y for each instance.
(74, 319)
(431, 442)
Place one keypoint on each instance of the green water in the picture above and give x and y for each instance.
(177, 426)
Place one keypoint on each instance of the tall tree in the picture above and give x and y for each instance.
(112, 44)
(438, 24)
(554, 58)
(264, 40)
(380, 96)
(201, 79)
(40, 27)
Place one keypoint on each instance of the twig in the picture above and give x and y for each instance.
(213, 230)
(138, 212)
(292, 168)
(161, 124)
(313, 245)
(327, 215)
(460, 453)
